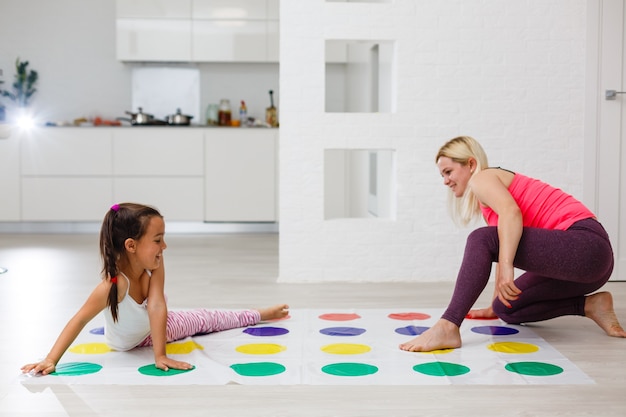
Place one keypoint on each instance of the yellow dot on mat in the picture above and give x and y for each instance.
(513, 347)
(346, 349)
(90, 348)
(181, 348)
(261, 349)
(439, 351)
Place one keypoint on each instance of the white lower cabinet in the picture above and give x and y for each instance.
(240, 176)
(65, 198)
(178, 199)
(189, 174)
(158, 151)
(10, 178)
(161, 167)
(65, 174)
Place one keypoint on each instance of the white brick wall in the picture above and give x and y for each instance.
(510, 73)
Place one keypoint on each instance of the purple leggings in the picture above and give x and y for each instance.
(562, 266)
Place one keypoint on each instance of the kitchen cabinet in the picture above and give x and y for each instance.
(230, 9)
(153, 40)
(153, 9)
(217, 41)
(153, 30)
(9, 177)
(158, 151)
(65, 198)
(197, 30)
(240, 176)
(178, 199)
(189, 173)
(161, 166)
(65, 174)
(235, 30)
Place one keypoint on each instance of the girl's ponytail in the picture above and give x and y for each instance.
(110, 255)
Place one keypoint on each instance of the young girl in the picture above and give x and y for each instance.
(132, 294)
(565, 252)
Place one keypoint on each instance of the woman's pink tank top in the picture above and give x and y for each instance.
(542, 205)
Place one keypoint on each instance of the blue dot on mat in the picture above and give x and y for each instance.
(495, 330)
(266, 331)
(411, 330)
(97, 330)
(342, 331)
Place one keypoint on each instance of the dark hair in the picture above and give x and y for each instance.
(121, 222)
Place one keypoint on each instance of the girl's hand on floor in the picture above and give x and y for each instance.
(166, 364)
(46, 366)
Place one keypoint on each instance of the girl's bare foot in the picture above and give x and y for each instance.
(278, 311)
(599, 308)
(443, 335)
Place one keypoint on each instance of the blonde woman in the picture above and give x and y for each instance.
(565, 252)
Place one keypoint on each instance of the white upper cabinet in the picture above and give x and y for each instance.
(230, 9)
(153, 40)
(153, 9)
(153, 30)
(229, 41)
(197, 30)
(235, 30)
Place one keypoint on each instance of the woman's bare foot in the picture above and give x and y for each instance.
(599, 308)
(278, 311)
(443, 335)
(483, 313)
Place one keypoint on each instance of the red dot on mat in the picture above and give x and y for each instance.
(482, 318)
(340, 316)
(409, 316)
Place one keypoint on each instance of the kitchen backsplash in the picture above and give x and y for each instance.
(160, 91)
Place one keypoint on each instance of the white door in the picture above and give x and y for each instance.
(605, 125)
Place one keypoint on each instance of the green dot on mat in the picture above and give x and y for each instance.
(258, 368)
(533, 368)
(76, 368)
(152, 370)
(441, 369)
(350, 369)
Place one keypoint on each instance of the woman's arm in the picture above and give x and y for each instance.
(157, 312)
(95, 303)
(491, 191)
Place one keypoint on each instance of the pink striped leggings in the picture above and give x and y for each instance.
(185, 323)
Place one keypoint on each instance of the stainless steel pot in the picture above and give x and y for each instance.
(139, 118)
(178, 119)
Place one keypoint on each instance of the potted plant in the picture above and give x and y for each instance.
(23, 87)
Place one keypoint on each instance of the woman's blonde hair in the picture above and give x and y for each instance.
(460, 149)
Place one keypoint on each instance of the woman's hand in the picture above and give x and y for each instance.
(506, 289)
(165, 364)
(46, 366)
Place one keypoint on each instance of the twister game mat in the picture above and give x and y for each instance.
(326, 347)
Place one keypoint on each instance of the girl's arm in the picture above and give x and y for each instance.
(157, 312)
(95, 303)
(491, 191)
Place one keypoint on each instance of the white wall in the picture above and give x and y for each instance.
(71, 44)
(511, 74)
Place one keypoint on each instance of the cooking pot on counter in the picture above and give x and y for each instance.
(178, 119)
(139, 118)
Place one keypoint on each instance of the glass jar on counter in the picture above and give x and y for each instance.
(212, 115)
(224, 113)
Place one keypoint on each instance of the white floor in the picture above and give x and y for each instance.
(51, 274)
